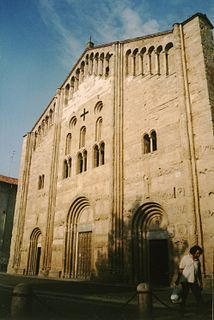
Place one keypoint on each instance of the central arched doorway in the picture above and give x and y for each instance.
(150, 245)
(78, 240)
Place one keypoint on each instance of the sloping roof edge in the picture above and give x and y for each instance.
(8, 180)
(198, 14)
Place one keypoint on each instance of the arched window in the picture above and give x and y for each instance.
(67, 88)
(82, 71)
(96, 156)
(39, 134)
(151, 62)
(82, 137)
(101, 63)
(107, 62)
(43, 126)
(154, 141)
(79, 163)
(68, 144)
(84, 160)
(73, 122)
(65, 169)
(102, 153)
(169, 58)
(51, 116)
(134, 63)
(91, 60)
(41, 182)
(72, 87)
(96, 59)
(158, 53)
(86, 65)
(46, 121)
(98, 133)
(146, 143)
(128, 63)
(69, 166)
(142, 61)
(35, 141)
(98, 107)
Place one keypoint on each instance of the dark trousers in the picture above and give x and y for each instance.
(196, 291)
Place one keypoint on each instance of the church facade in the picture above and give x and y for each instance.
(116, 176)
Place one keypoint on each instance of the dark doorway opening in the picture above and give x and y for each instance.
(38, 260)
(159, 262)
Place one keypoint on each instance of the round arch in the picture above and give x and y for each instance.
(149, 238)
(33, 265)
(78, 240)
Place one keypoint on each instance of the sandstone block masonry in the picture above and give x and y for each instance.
(117, 174)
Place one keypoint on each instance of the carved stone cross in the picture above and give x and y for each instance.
(84, 114)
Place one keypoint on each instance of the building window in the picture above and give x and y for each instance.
(41, 181)
(153, 141)
(82, 137)
(79, 163)
(82, 161)
(73, 122)
(65, 169)
(146, 143)
(68, 144)
(99, 154)
(67, 88)
(149, 142)
(96, 156)
(98, 107)
(98, 129)
(67, 166)
(102, 153)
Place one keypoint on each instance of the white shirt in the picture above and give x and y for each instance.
(190, 269)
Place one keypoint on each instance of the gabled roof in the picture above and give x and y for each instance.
(90, 47)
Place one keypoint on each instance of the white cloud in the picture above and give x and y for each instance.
(134, 26)
(109, 20)
(69, 44)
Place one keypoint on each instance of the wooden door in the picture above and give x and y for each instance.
(84, 255)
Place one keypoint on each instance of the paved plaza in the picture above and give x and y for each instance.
(76, 300)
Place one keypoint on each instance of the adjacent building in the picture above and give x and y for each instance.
(8, 190)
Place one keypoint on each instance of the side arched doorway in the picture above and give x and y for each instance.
(78, 240)
(150, 245)
(34, 255)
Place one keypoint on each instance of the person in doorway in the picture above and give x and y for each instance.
(189, 276)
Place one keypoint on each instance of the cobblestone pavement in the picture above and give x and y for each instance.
(74, 300)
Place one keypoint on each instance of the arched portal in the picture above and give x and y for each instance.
(34, 255)
(78, 240)
(150, 245)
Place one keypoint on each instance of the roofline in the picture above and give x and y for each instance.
(110, 44)
(8, 180)
(198, 14)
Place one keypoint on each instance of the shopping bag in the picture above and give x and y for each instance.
(176, 295)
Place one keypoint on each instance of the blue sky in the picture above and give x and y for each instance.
(40, 40)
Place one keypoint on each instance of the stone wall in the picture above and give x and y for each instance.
(146, 105)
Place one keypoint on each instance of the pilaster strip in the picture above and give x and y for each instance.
(117, 217)
(46, 264)
(24, 186)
